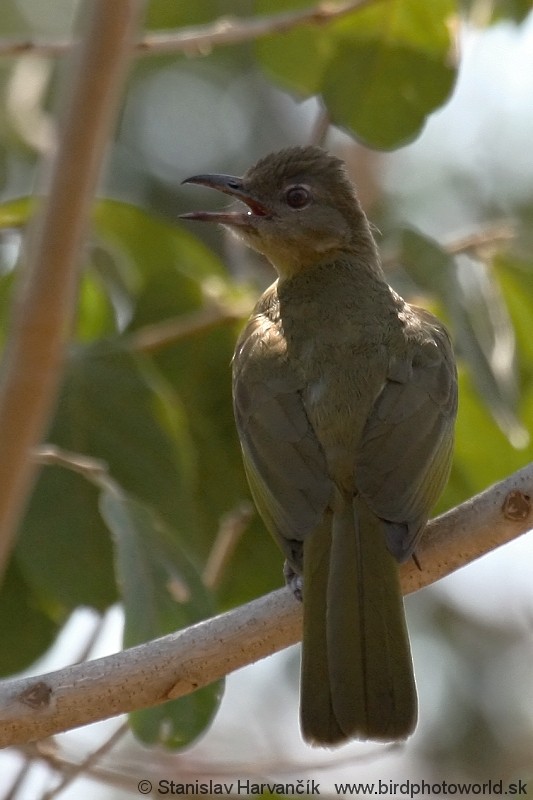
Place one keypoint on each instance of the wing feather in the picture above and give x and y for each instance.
(406, 446)
(284, 461)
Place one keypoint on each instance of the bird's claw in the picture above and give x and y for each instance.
(293, 581)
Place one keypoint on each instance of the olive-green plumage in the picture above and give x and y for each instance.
(345, 399)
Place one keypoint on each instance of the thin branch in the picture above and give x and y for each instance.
(489, 236)
(202, 39)
(178, 664)
(231, 529)
(321, 126)
(154, 337)
(85, 766)
(92, 469)
(18, 782)
(47, 288)
(116, 774)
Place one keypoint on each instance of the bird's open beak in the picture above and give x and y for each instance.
(233, 186)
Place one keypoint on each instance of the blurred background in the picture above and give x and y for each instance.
(430, 106)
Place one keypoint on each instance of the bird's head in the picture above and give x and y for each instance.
(300, 208)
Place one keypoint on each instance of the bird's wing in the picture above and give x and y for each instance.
(284, 461)
(406, 446)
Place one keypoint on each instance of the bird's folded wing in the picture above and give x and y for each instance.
(284, 461)
(406, 446)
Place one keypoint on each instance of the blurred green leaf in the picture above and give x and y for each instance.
(15, 213)
(487, 338)
(381, 70)
(63, 550)
(483, 454)
(109, 408)
(413, 23)
(482, 329)
(430, 266)
(383, 92)
(162, 592)
(95, 314)
(198, 368)
(6, 286)
(162, 14)
(26, 629)
(515, 278)
(297, 59)
(114, 408)
(516, 10)
(163, 423)
(129, 250)
(174, 271)
(149, 247)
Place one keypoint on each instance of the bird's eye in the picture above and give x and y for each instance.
(298, 196)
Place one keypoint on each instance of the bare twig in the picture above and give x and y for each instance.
(490, 236)
(92, 469)
(202, 39)
(18, 781)
(175, 665)
(229, 533)
(46, 294)
(321, 127)
(151, 338)
(115, 774)
(85, 766)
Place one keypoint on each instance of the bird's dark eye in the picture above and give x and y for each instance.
(298, 196)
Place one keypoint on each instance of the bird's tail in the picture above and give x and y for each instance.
(357, 675)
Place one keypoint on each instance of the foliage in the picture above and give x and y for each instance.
(160, 417)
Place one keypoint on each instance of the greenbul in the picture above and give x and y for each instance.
(345, 399)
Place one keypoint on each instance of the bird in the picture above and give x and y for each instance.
(345, 399)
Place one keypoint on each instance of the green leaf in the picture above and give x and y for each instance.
(113, 407)
(430, 266)
(26, 629)
(381, 70)
(483, 454)
(6, 286)
(63, 550)
(297, 60)
(164, 424)
(515, 278)
(162, 592)
(162, 14)
(110, 408)
(413, 23)
(15, 213)
(516, 10)
(482, 329)
(383, 92)
(149, 247)
(95, 314)
(198, 370)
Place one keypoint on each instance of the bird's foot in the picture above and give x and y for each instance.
(293, 581)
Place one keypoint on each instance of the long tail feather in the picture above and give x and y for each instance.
(357, 679)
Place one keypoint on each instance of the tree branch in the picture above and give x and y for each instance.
(48, 281)
(175, 665)
(153, 337)
(202, 39)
